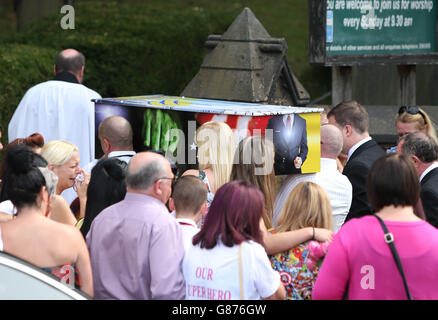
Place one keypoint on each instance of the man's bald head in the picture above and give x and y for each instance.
(70, 60)
(118, 132)
(145, 168)
(331, 141)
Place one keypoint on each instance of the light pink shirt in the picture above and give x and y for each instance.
(360, 258)
(136, 251)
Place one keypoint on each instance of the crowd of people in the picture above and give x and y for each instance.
(129, 227)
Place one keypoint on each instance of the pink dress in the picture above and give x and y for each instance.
(360, 259)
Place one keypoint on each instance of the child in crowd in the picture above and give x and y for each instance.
(189, 200)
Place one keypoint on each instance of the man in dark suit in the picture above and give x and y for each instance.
(290, 141)
(352, 119)
(423, 151)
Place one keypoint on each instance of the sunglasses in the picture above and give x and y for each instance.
(411, 110)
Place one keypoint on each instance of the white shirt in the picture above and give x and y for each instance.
(337, 186)
(58, 110)
(213, 274)
(121, 155)
(291, 121)
(125, 156)
(430, 168)
(8, 207)
(189, 229)
(356, 146)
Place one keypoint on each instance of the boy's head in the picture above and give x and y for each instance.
(189, 198)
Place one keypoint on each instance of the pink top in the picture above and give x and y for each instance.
(360, 258)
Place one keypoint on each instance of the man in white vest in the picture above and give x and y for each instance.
(59, 109)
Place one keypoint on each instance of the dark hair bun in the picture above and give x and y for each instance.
(19, 159)
(115, 168)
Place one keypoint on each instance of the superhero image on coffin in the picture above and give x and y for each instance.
(168, 124)
(290, 141)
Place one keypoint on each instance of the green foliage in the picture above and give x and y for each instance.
(8, 22)
(21, 65)
(132, 48)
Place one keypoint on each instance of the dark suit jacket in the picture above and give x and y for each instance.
(356, 170)
(287, 148)
(429, 196)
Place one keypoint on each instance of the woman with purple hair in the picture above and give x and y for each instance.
(226, 260)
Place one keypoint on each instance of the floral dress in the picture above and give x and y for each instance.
(65, 273)
(299, 268)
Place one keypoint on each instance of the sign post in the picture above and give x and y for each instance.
(345, 33)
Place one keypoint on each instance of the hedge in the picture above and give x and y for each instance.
(21, 66)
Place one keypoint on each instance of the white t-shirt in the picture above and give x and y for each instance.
(121, 155)
(189, 229)
(1, 240)
(214, 274)
(7, 207)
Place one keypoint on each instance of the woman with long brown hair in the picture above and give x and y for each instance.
(254, 163)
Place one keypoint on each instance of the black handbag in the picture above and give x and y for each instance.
(389, 239)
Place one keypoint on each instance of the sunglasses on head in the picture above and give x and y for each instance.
(411, 110)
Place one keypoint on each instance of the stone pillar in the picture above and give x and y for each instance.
(408, 90)
(342, 89)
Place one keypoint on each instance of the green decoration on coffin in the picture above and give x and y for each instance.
(157, 130)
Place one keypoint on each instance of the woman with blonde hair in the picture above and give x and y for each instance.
(307, 206)
(216, 145)
(412, 119)
(63, 159)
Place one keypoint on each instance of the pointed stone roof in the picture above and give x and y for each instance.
(246, 27)
(247, 64)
